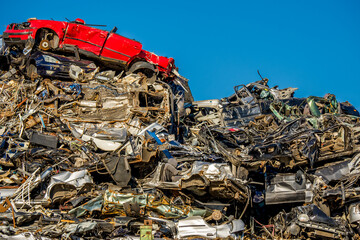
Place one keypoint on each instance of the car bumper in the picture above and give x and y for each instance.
(16, 38)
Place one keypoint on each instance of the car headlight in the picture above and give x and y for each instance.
(50, 59)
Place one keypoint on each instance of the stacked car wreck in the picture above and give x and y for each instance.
(102, 139)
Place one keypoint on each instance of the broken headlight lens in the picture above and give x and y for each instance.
(50, 59)
(303, 218)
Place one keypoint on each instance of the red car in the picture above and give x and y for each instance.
(91, 42)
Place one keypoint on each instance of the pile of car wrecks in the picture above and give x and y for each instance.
(101, 139)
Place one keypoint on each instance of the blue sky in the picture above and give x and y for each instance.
(312, 45)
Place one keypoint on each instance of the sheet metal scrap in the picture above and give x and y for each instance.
(103, 153)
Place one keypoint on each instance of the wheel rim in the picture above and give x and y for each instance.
(45, 45)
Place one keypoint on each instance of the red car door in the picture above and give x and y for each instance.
(120, 48)
(86, 38)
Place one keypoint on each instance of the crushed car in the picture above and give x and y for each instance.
(80, 38)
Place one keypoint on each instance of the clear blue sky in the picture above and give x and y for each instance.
(312, 45)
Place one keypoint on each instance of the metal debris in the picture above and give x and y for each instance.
(98, 143)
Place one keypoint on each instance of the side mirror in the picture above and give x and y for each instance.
(79, 21)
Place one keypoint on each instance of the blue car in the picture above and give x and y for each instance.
(48, 64)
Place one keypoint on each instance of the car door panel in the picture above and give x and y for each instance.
(121, 48)
(85, 38)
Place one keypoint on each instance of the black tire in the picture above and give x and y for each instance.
(143, 67)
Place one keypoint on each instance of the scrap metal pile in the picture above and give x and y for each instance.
(93, 150)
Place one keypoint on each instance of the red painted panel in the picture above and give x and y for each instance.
(119, 47)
